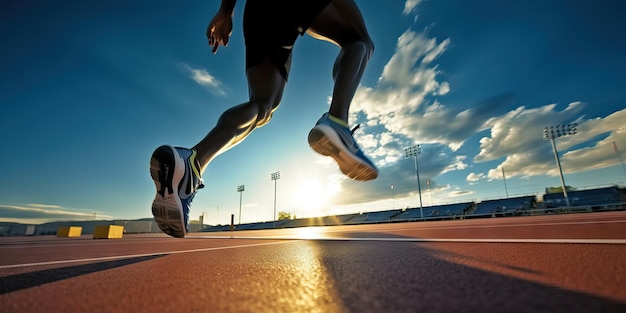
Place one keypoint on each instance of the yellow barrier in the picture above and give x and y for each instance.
(108, 232)
(69, 231)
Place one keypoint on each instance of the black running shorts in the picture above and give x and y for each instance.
(271, 27)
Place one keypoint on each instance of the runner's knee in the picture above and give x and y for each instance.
(367, 46)
(265, 111)
(358, 49)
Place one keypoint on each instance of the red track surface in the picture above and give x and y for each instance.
(560, 263)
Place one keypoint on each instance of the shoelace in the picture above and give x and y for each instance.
(200, 184)
(355, 128)
(195, 187)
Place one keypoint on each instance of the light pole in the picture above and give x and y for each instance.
(393, 198)
(551, 133)
(430, 190)
(414, 151)
(275, 176)
(504, 179)
(619, 155)
(240, 189)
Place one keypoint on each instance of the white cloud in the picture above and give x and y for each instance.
(517, 136)
(204, 78)
(458, 163)
(459, 193)
(473, 177)
(44, 213)
(601, 153)
(399, 112)
(410, 6)
(397, 102)
(406, 107)
(522, 129)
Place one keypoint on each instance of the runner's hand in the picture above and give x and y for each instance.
(219, 30)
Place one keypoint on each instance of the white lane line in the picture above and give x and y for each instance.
(495, 240)
(406, 239)
(290, 239)
(427, 227)
(129, 256)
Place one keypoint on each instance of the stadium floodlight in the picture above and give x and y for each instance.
(275, 176)
(414, 151)
(240, 190)
(551, 133)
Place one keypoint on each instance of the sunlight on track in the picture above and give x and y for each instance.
(310, 283)
(309, 233)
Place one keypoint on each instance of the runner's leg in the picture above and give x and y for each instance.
(266, 85)
(341, 23)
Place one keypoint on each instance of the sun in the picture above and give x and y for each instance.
(311, 195)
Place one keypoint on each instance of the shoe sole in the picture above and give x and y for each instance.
(167, 209)
(327, 143)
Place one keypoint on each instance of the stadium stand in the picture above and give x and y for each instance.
(446, 211)
(358, 219)
(381, 216)
(504, 207)
(598, 199)
(607, 198)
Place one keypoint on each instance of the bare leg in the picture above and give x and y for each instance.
(341, 23)
(266, 86)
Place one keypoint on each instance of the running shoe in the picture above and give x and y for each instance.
(177, 179)
(330, 138)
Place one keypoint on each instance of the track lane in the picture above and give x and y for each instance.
(400, 267)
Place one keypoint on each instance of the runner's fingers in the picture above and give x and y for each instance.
(216, 38)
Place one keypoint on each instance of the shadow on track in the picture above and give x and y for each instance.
(415, 277)
(32, 279)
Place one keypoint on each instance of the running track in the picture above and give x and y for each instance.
(559, 263)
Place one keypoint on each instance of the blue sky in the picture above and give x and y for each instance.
(90, 88)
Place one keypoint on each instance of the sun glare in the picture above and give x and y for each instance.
(311, 195)
(310, 232)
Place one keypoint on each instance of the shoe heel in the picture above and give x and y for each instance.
(161, 157)
(321, 144)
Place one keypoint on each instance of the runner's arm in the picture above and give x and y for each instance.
(221, 26)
